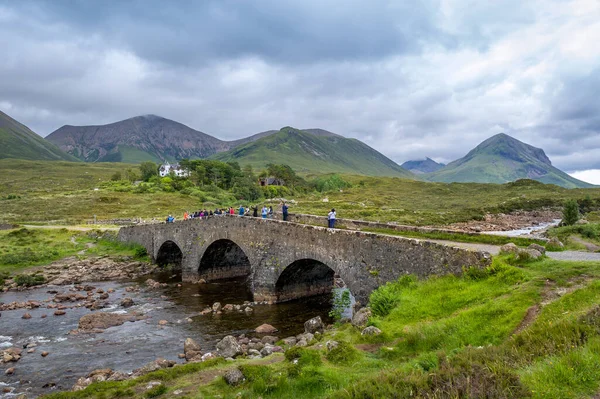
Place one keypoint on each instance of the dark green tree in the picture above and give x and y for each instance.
(570, 213)
(148, 169)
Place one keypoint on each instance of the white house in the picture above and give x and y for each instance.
(166, 168)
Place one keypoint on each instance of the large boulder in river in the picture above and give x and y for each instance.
(265, 329)
(192, 350)
(127, 302)
(361, 318)
(103, 320)
(229, 347)
(314, 325)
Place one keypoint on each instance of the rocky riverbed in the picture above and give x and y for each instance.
(509, 221)
(58, 336)
(73, 270)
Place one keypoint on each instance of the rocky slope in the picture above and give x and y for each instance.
(138, 139)
(20, 142)
(502, 159)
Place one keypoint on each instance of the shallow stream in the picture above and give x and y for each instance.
(134, 344)
(525, 231)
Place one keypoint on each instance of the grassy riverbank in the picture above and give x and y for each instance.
(513, 330)
(23, 249)
(71, 193)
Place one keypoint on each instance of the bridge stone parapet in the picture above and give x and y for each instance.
(285, 260)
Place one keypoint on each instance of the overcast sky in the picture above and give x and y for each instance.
(411, 79)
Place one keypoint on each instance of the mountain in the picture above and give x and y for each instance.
(314, 150)
(142, 138)
(426, 165)
(502, 159)
(18, 141)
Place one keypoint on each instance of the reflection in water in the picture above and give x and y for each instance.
(132, 345)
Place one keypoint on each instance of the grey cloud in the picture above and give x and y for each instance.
(191, 32)
(412, 79)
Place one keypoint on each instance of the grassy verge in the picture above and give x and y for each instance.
(586, 232)
(459, 237)
(444, 337)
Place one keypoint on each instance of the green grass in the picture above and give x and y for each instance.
(308, 153)
(444, 337)
(586, 232)
(72, 193)
(18, 141)
(23, 248)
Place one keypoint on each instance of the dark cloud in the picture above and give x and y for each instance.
(411, 79)
(193, 32)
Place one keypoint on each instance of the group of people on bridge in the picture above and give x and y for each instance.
(266, 213)
(241, 211)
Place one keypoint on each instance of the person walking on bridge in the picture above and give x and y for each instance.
(284, 210)
(331, 218)
(264, 212)
(242, 210)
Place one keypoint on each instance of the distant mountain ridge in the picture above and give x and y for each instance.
(18, 141)
(502, 159)
(314, 150)
(426, 165)
(499, 159)
(142, 138)
(158, 139)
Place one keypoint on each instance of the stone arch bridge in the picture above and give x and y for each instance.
(285, 260)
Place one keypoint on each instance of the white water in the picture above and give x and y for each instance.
(524, 231)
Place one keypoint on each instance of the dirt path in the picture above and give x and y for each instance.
(495, 250)
(588, 245)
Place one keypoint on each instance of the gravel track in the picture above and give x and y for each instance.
(495, 250)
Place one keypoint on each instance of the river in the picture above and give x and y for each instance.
(134, 344)
(530, 231)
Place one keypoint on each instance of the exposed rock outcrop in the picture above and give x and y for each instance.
(361, 318)
(314, 325)
(103, 320)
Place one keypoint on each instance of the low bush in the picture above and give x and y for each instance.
(156, 391)
(384, 299)
(29, 280)
(3, 276)
(344, 354)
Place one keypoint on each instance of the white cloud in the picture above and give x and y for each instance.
(591, 176)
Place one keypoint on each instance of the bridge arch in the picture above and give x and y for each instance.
(223, 259)
(169, 253)
(303, 278)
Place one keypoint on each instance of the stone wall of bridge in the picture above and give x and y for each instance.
(287, 260)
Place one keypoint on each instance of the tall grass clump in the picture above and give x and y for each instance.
(384, 299)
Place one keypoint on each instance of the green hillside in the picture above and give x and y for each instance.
(18, 141)
(502, 159)
(308, 152)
